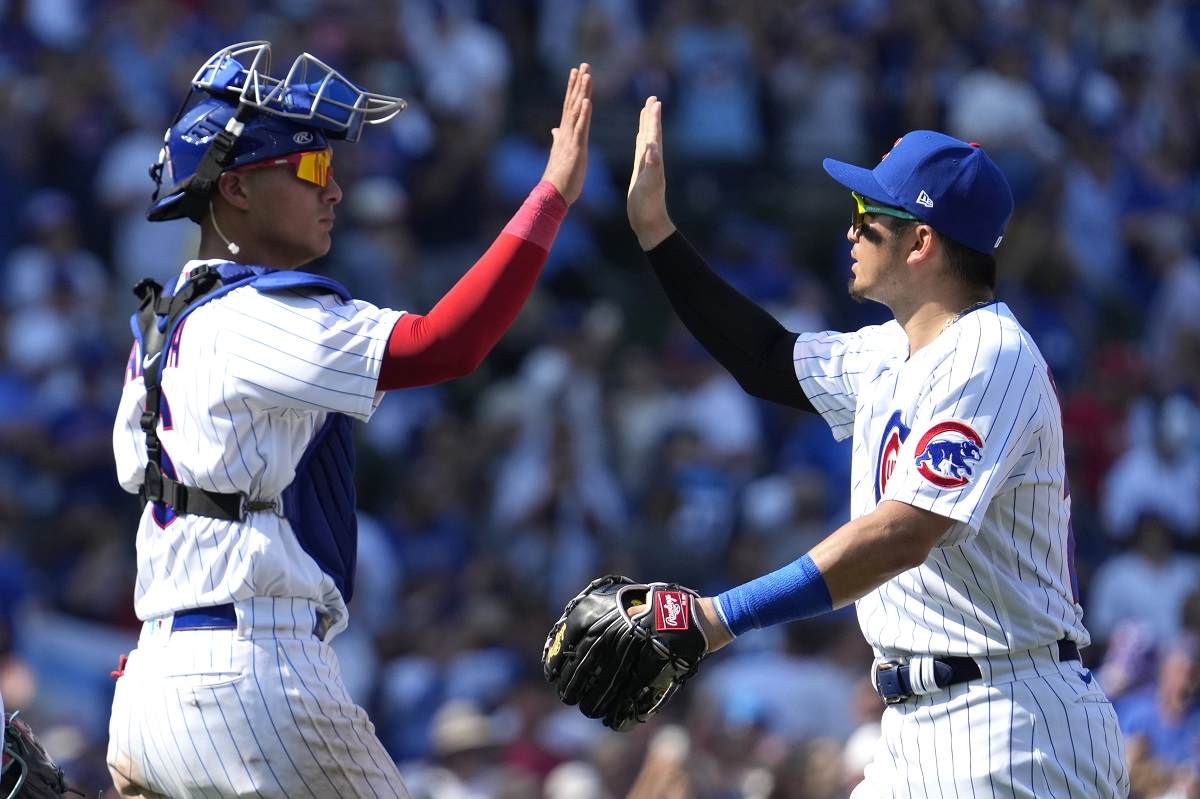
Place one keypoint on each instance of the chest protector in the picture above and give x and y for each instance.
(319, 504)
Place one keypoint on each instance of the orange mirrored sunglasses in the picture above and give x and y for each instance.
(314, 166)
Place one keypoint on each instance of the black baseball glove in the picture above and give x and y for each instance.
(617, 664)
(28, 771)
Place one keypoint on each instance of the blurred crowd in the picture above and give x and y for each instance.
(598, 437)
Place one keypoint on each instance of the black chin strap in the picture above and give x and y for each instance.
(198, 187)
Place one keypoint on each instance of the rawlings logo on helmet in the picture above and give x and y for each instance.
(302, 137)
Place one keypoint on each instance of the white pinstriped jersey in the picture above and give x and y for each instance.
(246, 383)
(970, 428)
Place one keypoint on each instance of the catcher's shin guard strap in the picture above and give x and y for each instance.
(797, 591)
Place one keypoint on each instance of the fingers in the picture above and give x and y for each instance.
(647, 149)
(584, 124)
(582, 111)
(569, 94)
(642, 139)
(579, 88)
(654, 123)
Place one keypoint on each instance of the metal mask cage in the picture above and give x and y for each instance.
(311, 92)
(14, 762)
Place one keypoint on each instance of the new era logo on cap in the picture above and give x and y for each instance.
(670, 610)
(924, 199)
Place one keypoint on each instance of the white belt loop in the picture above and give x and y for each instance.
(921, 676)
(156, 631)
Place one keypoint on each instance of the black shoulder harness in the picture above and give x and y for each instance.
(156, 317)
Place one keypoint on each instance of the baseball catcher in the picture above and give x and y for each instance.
(621, 649)
(28, 772)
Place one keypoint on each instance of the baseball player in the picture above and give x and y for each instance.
(959, 550)
(234, 426)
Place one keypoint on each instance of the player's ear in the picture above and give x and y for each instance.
(233, 189)
(922, 245)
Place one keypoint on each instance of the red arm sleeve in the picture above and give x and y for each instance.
(453, 338)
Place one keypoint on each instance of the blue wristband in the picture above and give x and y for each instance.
(797, 591)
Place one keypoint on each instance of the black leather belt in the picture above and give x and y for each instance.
(894, 679)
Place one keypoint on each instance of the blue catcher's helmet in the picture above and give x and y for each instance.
(264, 136)
(242, 115)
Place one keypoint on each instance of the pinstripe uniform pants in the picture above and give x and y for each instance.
(257, 711)
(1031, 727)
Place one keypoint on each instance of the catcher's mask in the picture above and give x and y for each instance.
(13, 768)
(27, 770)
(236, 114)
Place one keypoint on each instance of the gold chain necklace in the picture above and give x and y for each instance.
(963, 313)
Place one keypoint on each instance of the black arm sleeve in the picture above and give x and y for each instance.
(745, 339)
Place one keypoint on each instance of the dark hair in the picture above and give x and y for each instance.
(974, 267)
(971, 266)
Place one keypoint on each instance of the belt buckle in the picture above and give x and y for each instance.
(323, 622)
(888, 671)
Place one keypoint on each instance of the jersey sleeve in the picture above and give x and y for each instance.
(831, 367)
(973, 425)
(298, 349)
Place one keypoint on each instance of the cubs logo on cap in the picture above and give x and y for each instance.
(947, 453)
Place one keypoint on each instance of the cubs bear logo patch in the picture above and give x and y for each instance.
(947, 454)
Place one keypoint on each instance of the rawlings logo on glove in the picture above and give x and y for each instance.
(670, 612)
(617, 660)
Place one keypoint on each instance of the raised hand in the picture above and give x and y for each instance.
(646, 202)
(567, 164)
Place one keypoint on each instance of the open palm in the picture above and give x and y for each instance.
(567, 166)
(646, 202)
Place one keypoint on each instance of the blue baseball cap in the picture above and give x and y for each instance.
(949, 184)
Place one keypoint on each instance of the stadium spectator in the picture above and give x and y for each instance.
(1164, 718)
(1159, 474)
(1148, 583)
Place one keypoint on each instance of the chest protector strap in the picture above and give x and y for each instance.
(154, 324)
